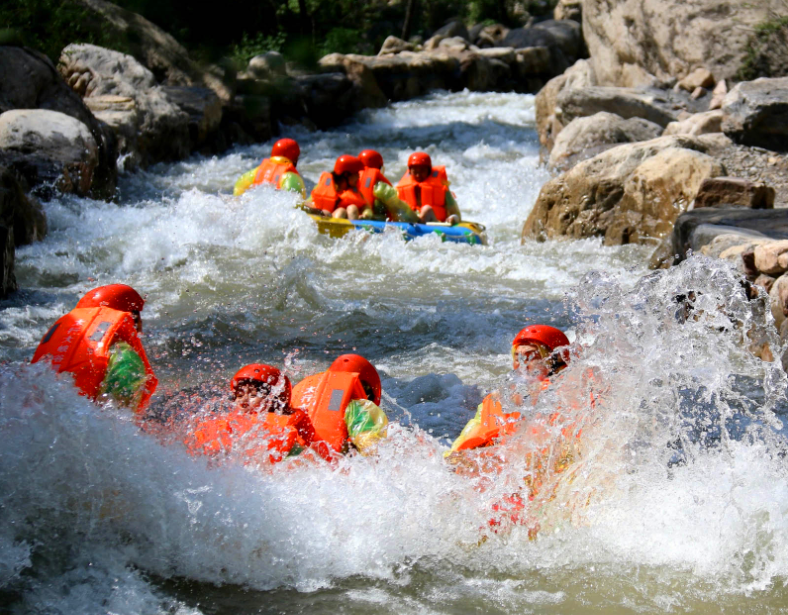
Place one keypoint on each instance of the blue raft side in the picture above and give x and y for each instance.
(455, 234)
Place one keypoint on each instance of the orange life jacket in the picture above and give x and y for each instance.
(280, 433)
(367, 181)
(326, 197)
(494, 424)
(80, 343)
(325, 398)
(271, 172)
(433, 192)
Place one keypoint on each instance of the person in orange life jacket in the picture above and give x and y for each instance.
(535, 349)
(98, 343)
(377, 189)
(261, 424)
(343, 404)
(337, 194)
(278, 170)
(426, 190)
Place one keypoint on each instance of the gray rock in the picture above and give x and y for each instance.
(753, 223)
(490, 36)
(268, 64)
(148, 119)
(585, 137)
(393, 45)
(452, 29)
(28, 80)
(625, 102)
(568, 35)
(756, 113)
(59, 147)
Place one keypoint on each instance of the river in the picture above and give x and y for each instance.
(675, 501)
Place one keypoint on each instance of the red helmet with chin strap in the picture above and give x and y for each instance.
(348, 164)
(420, 159)
(119, 297)
(265, 374)
(287, 148)
(367, 373)
(371, 158)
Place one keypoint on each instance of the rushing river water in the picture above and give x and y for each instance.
(675, 499)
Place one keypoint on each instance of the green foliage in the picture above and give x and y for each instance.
(341, 40)
(767, 52)
(50, 25)
(250, 47)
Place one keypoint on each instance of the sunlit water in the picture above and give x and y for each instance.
(674, 498)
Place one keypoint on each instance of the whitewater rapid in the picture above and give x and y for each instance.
(674, 500)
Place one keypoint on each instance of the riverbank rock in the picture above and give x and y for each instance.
(22, 221)
(548, 124)
(729, 233)
(756, 113)
(28, 81)
(490, 36)
(569, 9)
(734, 192)
(267, 65)
(652, 105)
(50, 149)
(153, 123)
(564, 39)
(585, 137)
(672, 38)
(157, 50)
(393, 45)
(697, 124)
(629, 194)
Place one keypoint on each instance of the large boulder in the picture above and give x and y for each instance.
(564, 39)
(51, 149)
(756, 113)
(267, 65)
(153, 123)
(167, 59)
(548, 125)
(671, 38)
(585, 137)
(629, 194)
(651, 105)
(28, 80)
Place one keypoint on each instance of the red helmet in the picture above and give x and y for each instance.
(371, 159)
(348, 164)
(367, 373)
(541, 334)
(420, 159)
(267, 374)
(116, 296)
(287, 148)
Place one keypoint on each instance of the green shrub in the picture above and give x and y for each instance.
(341, 40)
(250, 47)
(50, 25)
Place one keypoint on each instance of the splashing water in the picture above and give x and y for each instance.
(658, 482)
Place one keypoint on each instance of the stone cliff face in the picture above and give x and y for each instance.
(631, 42)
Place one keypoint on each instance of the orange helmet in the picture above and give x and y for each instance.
(370, 158)
(116, 296)
(348, 164)
(367, 373)
(287, 148)
(420, 159)
(265, 374)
